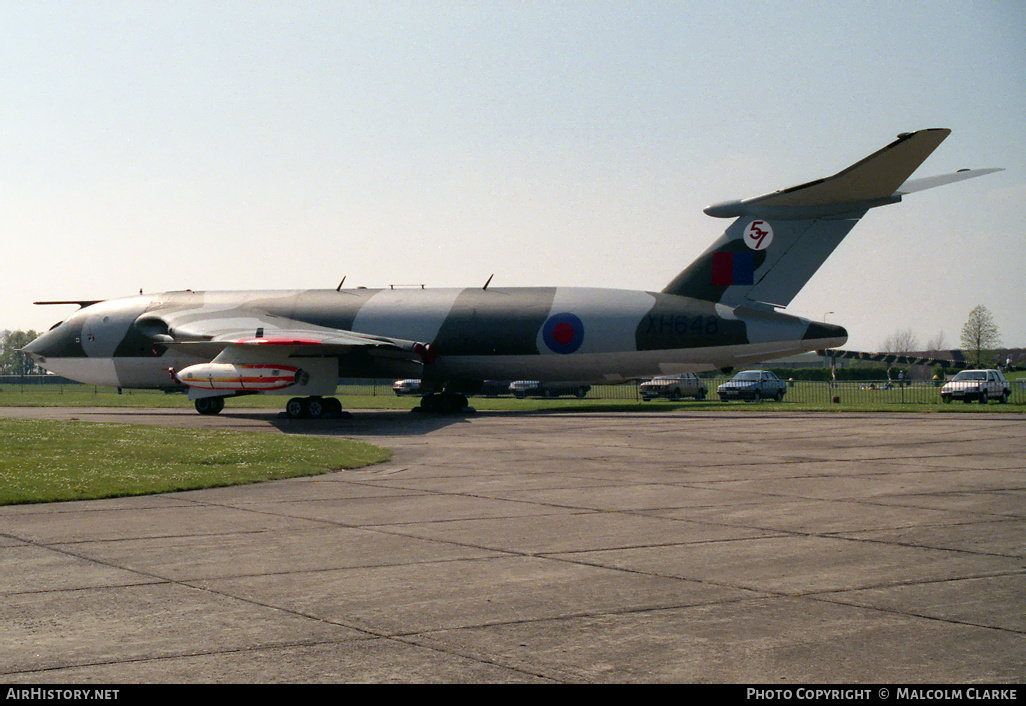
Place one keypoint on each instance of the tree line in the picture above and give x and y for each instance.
(980, 339)
(13, 362)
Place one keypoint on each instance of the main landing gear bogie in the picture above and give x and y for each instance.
(313, 408)
(442, 403)
(295, 408)
(209, 405)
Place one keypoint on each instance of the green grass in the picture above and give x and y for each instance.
(804, 396)
(46, 461)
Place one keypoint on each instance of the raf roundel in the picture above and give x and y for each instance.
(563, 333)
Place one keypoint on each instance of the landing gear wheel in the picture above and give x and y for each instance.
(296, 408)
(443, 402)
(209, 405)
(315, 407)
(427, 403)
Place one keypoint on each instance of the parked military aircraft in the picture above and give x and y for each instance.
(720, 312)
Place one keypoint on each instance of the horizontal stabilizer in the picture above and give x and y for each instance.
(780, 240)
(913, 185)
(872, 181)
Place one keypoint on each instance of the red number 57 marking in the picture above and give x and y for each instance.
(759, 233)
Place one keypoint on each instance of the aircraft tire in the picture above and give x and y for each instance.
(209, 405)
(296, 408)
(315, 407)
(446, 404)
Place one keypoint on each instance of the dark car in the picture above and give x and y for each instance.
(753, 385)
(535, 388)
(494, 388)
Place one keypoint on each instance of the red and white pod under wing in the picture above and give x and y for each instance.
(256, 377)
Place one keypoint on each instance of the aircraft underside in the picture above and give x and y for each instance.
(316, 378)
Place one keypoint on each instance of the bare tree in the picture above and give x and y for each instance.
(900, 342)
(980, 336)
(903, 341)
(937, 343)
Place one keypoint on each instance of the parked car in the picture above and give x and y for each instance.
(534, 388)
(753, 385)
(673, 387)
(406, 387)
(979, 385)
(494, 388)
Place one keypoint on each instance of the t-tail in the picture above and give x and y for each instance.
(779, 240)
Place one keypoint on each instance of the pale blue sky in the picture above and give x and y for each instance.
(243, 145)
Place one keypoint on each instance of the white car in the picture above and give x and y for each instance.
(980, 385)
(406, 387)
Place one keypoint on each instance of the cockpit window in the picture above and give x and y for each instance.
(55, 325)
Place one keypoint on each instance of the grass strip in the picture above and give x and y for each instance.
(48, 461)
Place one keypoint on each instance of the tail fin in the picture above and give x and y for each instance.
(779, 240)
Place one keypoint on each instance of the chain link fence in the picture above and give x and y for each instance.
(847, 393)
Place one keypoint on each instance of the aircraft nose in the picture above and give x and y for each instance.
(36, 349)
(837, 335)
(62, 341)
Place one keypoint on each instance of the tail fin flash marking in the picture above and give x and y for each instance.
(732, 268)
